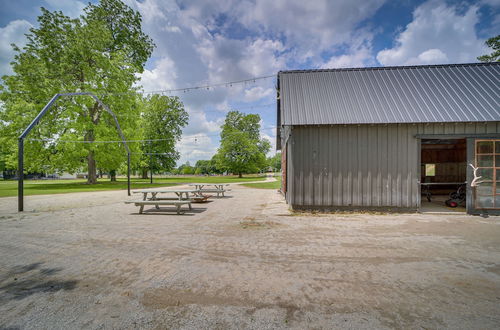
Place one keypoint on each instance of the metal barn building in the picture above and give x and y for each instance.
(380, 137)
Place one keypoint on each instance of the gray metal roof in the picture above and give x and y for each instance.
(416, 94)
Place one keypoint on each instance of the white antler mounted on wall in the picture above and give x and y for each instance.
(475, 182)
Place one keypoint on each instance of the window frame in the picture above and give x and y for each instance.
(494, 180)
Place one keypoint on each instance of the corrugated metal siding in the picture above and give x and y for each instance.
(422, 94)
(361, 165)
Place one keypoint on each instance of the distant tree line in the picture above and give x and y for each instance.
(210, 167)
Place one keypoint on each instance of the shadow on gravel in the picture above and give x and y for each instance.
(165, 211)
(22, 281)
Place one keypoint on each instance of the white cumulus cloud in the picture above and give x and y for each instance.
(257, 93)
(13, 33)
(439, 33)
(316, 25)
(161, 77)
(70, 8)
(195, 147)
(358, 55)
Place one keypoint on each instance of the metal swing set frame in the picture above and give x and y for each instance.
(46, 108)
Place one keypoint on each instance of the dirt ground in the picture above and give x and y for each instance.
(86, 260)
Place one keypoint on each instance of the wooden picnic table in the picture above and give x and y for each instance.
(199, 186)
(179, 192)
(219, 188)
(181, 199)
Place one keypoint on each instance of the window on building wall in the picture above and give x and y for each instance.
(488, 164)
(430, 169)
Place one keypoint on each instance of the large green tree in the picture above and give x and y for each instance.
(102, 52)
(242, 150)
(162, 120)
(202, 167)
(274, 162)
(206, 167)
(493, 43)
(3, 155)
(185, 168)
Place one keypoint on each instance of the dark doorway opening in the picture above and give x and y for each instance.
(443, 172)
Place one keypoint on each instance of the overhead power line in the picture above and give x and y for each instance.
(188, 89)
(258, 106)
(208, 86)
(184, 89)
(218, 134)
(236, 108)
(84, 141)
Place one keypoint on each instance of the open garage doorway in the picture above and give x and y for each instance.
(443, 175)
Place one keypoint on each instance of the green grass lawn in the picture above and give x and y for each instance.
(41, 187)
(265, 185)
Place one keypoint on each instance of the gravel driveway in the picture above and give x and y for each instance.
(86, 260)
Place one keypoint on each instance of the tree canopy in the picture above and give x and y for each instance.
(274, 162)
(102, 52)
(162, 120)
(493, 43)
(242, 150)
(205, 167)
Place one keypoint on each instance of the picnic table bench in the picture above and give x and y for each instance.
(182, 198)
(157, 203)
(218, 188)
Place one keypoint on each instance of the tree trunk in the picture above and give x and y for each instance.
(112, 174)
(92, 169)
(144, 174)
(240, 175)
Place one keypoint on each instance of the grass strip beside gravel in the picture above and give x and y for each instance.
(8, 188)
(265, 185)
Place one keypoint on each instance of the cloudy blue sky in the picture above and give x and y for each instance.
(204, 42)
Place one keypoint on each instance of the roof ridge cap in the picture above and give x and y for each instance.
(397, 67)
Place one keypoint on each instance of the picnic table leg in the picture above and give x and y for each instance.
(141, 208)
(154, 198)
(187, 198)
(178, 207)
(145, 196)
